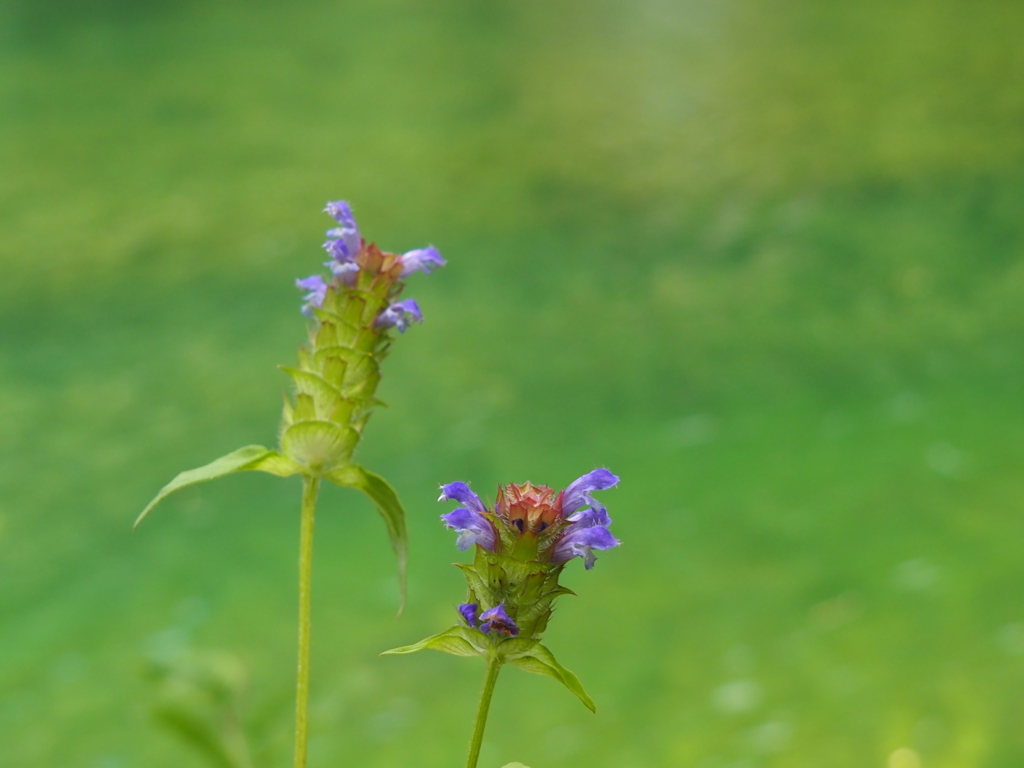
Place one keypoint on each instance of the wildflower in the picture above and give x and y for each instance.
(347, 242)
(534, 521)
(497, 621)
(473, 528)
(400, 315)
(581, 541)
(335, 382)
(522, 546)
(422, 259)
(577, 494)
(317, 293)
(462, 493)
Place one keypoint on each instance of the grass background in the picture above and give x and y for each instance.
(761, 258)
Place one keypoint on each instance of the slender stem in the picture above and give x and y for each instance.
(310, 487)
(493, 668)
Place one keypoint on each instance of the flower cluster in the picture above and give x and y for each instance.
(350, 255)
(337, 375)
(570, 524)
(523, 544)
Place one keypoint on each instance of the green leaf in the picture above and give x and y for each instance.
(386, 500)
(458, 641)
(532, 656)
(248, 459)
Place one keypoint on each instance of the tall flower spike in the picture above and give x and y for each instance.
(522, 546)
(335, 380)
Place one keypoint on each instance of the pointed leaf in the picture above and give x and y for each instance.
(458, 641)
(386, 500)
(534, 657)
(249, 458)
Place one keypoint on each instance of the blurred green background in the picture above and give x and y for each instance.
(762, 258)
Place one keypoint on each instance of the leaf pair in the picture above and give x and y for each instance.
(256, 458)
(525, 653)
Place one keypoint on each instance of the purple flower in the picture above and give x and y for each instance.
(577, 495)
(400, 315)
(469, 612)
(473, 528)
(581, 540)
(498, 621)
(317, 292)
(459, 491)
(422, 259)
(345, 241)
(346, 270)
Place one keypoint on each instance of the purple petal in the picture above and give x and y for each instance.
(462, 493)
(317, 292)
(580, 542)
(400, 315)
(346, 270)
(340, 250)
(473, 528)
(341, 212)
(469, 611)
(588, 518)
(497, 620)
(577, 495)
(348, 240)
(422, 259)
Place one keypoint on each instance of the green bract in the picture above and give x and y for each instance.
(526, 589)
(523, 652)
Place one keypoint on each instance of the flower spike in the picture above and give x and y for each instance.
(336, 380)
(522, 546)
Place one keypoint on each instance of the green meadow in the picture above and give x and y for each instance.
(763, 259)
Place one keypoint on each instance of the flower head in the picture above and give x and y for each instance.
(473, 528)
(400, 315)
(469, 612)
(533, 522)
(422, 259)
(316, 292)
(498, 621)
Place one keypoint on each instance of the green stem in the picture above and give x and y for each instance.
(493, 668)
(310, 488)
